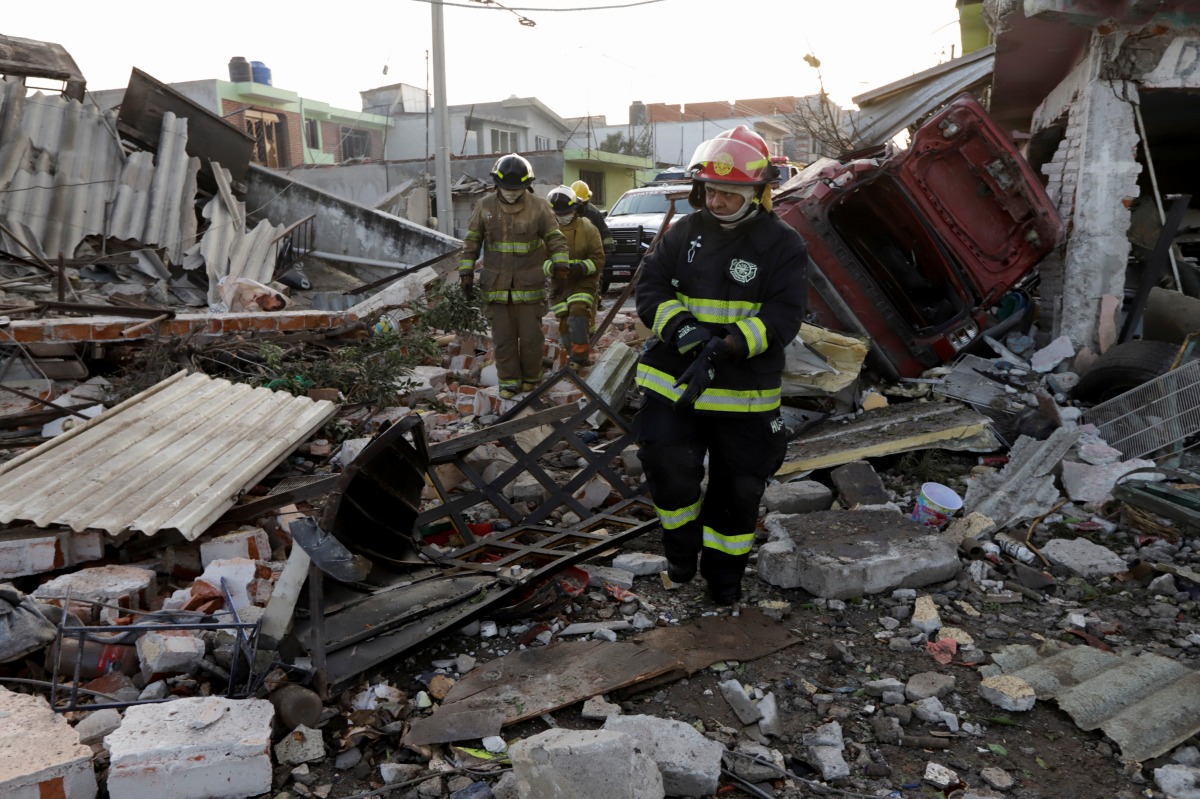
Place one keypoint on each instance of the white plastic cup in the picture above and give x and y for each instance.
(935, 505)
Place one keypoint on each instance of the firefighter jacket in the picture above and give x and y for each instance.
(516, 239)
(594, 215)
(749, 284)
(586, 264)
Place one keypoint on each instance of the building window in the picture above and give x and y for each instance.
(542, 143)
(504, 141)
(355, 144)
(270, 137)
(312, 134)
(595, 181)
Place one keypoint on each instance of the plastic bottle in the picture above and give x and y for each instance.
(1014, 548)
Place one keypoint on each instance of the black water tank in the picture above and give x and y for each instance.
(239, 70)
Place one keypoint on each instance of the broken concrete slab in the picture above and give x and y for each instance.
(40, 753)
(597, 764)
(123, 586)
(739, 701)
(889, 431)
(1024, 488)
(1083, 558)
(25, 552)
(847, 554)
(858, 484)
(210, 746)
(823, 751)
(690, 763)
(1051, 355)
(928, 684)
(301, 745)
(640, 564)
(800, 496)
(168, 652)
(1092, 484)
(249, 542)
(95, 725)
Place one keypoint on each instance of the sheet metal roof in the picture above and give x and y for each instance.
(1147, 704)
(174, 457)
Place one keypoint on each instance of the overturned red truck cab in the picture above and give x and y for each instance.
(912, 247)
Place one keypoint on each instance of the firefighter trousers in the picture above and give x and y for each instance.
(519, 342)
(744, 450)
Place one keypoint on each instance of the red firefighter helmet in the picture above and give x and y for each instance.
(733, 156)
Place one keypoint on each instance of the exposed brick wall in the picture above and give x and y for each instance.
(291, 148)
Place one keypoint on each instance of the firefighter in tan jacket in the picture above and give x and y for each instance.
(517, 233)
(573, 287)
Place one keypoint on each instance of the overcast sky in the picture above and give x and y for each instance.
(575, 61)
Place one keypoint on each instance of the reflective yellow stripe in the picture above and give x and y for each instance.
(537, 295)
(560, 259)
(589, 266)
(518, 247)
(759, 164)
(559, 308)
(473, 235)
(755, 333)
(713, 399)
(729, 544)
(719, 312)
(665, 313)
(674, 519)
(584, 298)
(466, 265)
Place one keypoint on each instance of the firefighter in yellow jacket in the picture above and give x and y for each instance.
(517, 233)
(573, 288)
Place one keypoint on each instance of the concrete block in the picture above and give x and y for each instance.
(858, 484)
(771, 722)
(526, 488)
(690, 764)
(198, 748)
(125, 586)
(39, 551)
(599, 575)
(598, 709)
(168, 652)
(247, 581)
(595, 764)
(823, 751)
(1084, 482)
(95, 725)
(1008, 692)
(997, 778)
(41, 755)
(741, 704)
(249, 542)
(846, 554)
(1083, 558)
(926, 684)
(640, 564)
(801, 496)
(632, 461)
(878, 688)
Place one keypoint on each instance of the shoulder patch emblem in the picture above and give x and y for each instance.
(742, 271)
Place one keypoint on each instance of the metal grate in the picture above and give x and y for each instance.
(1152, 416)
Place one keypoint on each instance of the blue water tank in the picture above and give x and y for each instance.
(261, 73)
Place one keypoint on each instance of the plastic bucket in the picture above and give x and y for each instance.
(935, 505)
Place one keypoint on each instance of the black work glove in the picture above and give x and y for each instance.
(700, 374)
(467, 281)
(691, 335)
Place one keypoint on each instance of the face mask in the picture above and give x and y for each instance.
(510, 196)
(565, 220)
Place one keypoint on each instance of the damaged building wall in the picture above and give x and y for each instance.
(343, 227)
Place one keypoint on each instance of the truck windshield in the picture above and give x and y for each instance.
(649, 203)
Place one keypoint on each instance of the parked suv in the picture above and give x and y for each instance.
(634, 221)
(912, 247)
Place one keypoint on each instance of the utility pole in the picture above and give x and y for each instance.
(441, 119)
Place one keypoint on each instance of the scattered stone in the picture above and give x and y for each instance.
(878, 688)
(858, 485)
(741, 704)
(775, 609)
(1050, 356)
(1008, 692)
(495, 744)
(598, 709)
(959, 636)
(1083, 558)
(997, 778)
(392, 773)
(597, 764)
(439, 686)
(464, 663)
(168, 652)
(929, 709)
(592, 627)
(97, 724)
(771, 723)
(640, 564)
(939, 776)
(1162, 585)
(476, 790)
(348, 759)
(301, 745)
(823, 751)
(927, 684)
(599, 575)
(1086, 483)
(1178, 781)
(689, 762)
(750, 770)
(801, 496)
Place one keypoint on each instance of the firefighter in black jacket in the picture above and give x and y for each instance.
(724, 294)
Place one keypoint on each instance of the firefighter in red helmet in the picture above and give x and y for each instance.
(724, 294)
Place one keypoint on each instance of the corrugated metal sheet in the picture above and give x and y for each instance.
(175, 457)
(61, 166)
(227, 248)
(1147, 704)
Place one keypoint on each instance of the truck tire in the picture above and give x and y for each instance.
(1125, 366)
